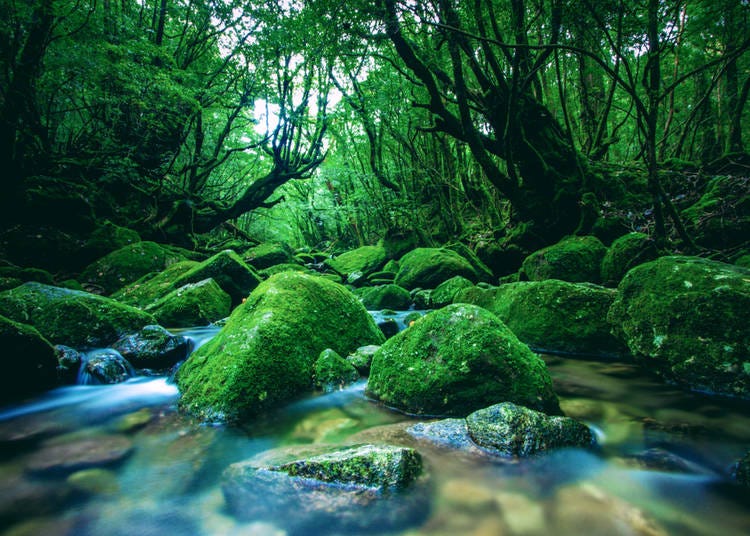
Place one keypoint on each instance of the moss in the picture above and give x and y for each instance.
(361, 358)
(456, 360)
(264, 355)
(71, 317)
(447, 290)
(27, 274)
(512, 430)
(743, 260)
(228, 270)
(267, 254)
(626, 252)
(554, 316)
(153, 286)
(720, 219)
(108, 237)
(28, 361)
(284, 267)
(363, 261)
(194, 304)
(576, 259)
(9, 282)
(685, 318)
(333, 372)
(428, 267)
(484, 273)
(385, 296)
(128, 264)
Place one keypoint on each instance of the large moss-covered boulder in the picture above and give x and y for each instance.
(428, 267)
(447, 290)
(264, 355)
(555, 316)
(329, 490)
(108, 237)
(685, 318)
(575, 258)
(332, 372)
(27, 360)
(228, 270)
(71, 317)
(626, 252)
(720, 219)
(512, 430)
(456, 360)
(149, 288)
(355, 265)
(268, 254)
(127, 264)
(195, 304)
(387, 296)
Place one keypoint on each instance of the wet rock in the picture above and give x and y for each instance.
(685, 319)
(105, 366)
(24, 498)
(446, 291)
(27, 359)
(576, 259)
(134, 421)
(361, 359)
(265, 353)
(448, 433)
(347, 489)
(228, 270)
(428, 267)
(456, 360)
(153, 347)
(327, 426)
(388, 296)
(69, 361)
(741, 470)
(522, 514)
(332, 372)
(512, 430)
(72, 456)
(194, 304)
(660, 459)
(389, 327)
(94, 481)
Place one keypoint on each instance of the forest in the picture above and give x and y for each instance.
(413, 267)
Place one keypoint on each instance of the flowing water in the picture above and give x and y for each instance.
(661, 466)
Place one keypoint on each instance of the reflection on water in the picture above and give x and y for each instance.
(661, 467)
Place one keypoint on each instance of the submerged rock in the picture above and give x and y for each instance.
(512, 430)
(194, 304)
(67, 458)
(153, 347)
(456, 360)
(685, 318)
(576, 258)
(27, 359)
(104, 366)
(332, 372)
(428, 267)
(341, 489)
(71, 317)
(265, 353)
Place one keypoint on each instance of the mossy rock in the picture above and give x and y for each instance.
(128, 264)
(265, 353)
(576, 258)
(397, 242)
(358, 263)
(720, 219)
(446, 291)
(9, 282)
(194, 304)
(555, 316)
(153, 347)
(685, 318)
(743, 260)
(428, 267)
(484, 273)
(228, 270)
(361, 358)
(332, 372)
(625, 253)
(511, 430)
(456, 360)
(284, 267)
(27, 274)
(268, 254)
(28, 361)
(71, 317)
(108, 237)
(387, 296)
(148, 289)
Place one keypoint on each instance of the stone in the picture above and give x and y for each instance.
(228, 270)
(153, 347)
(363, 260)
(511, 430)
(447, 433)
(194, 304)
(741, 470)
(387, 296)
(685, 319)
(95, 481)
(446, 291)
(361, 358)
(151, 287)
(264, 355)
(720, 219)
(72, 317)
(332, 372)
(456, 360)
(267, 254)
(72, 456)
(104, 366)
(575, 258)
(27, 359)
(428, 267)
(625, 253)
(69, 361)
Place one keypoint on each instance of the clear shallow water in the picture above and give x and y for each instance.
(661, 467)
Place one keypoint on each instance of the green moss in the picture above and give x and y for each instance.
(264, 355)
(332, 372)
(456, 360)
(576, 258)
(721, 217)
(447, 290)
(27, 274)
(428, 267)
(28, 361)
(363, 261)
(128, 264)
(194, 304)
(685, 318)
(153, 286)
(267, 254)
(71, 317)
(626, 252)
(284, 267)
(108, 237)
(385, 296)
(554, 316)
(228, 270)
(9, 282)
(482, 270)
(743, 260)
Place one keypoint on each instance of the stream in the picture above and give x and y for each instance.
(661, 465)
